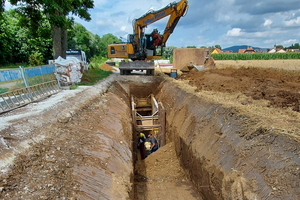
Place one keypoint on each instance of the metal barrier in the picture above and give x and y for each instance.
(20, 97)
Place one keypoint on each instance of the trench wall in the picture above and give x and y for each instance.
(226, 155)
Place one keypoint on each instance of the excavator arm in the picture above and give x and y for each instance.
(175, 10)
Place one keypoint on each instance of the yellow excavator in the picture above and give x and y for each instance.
(142, 47)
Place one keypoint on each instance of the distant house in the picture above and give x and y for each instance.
(228, 51)
(261, 50)
(292, 50)
(280, 51)
(272, 51)
(216, 50)
(241, 50)
(248, 50)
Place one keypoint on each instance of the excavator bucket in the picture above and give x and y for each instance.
(126, 67)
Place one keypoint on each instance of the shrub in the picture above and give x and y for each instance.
(36, 59)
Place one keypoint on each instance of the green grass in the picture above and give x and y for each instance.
(93, 75)
(12, 66)
(74, 87)
(3, 90)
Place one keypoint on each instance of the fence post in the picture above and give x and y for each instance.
(25, 80)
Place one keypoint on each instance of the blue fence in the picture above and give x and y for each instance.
(14, 74)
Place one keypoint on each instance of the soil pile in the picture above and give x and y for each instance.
(160, 176)
(107, 67)
(278, 87)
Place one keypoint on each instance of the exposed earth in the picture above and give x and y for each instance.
(280, 88)
(78, 144)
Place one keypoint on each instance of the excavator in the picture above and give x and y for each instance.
(142, 48)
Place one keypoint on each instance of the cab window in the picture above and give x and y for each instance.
(112, 50)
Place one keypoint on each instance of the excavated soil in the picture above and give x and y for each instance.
(280, 88)
(160, 176)
(107, 67)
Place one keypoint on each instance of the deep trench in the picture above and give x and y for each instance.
(224, 159)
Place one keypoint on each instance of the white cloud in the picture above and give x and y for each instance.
(268, 22)
(235, 32)
(269, 41)
(289, 42)
(123, 28)
(293, 22)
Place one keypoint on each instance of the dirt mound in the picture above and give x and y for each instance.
(278, 87)
(107, 67)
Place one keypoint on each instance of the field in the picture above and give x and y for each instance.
(290, 65)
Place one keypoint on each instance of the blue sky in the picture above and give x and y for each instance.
(224, 22)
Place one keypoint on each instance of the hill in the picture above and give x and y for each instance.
(236, 48)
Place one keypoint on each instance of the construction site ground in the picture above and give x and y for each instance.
(78, 144)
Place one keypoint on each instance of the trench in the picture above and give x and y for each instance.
(209, 151)
(219, 156)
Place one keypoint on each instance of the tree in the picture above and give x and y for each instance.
(203, 47)
(279, 47)
(55, 12)
(168, 51)
(17, 43)
(191, 47)
(5, 42)
(218, 46)
(105, 41)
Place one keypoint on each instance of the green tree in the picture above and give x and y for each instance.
(279, 46)
(218, 46)
(168, 51)
(203, 47)
(55, 12)
(191, 47)
(5, 42)
(105, 41)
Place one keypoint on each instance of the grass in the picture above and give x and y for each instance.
(12, 66)
(94, 75)
(74, 87)
(3, 90)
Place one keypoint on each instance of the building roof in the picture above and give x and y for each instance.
(218, 50)
(291, 50)
(241, 50)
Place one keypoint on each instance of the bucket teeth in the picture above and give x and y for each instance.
(137, 65)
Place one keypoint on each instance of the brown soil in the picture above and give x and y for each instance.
(160, 176)
(85, 155)
(107, 67)
(279, 88)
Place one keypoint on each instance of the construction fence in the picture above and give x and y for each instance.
(21, 86)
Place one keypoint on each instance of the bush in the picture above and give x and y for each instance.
(36, 59)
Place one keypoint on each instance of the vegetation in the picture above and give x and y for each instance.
(255, 56)
(94, 75)
(3, 90)
(55, 12)
(18, 45)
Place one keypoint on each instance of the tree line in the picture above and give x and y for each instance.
(19, 45)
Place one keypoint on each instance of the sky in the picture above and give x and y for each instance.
(258, 23)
